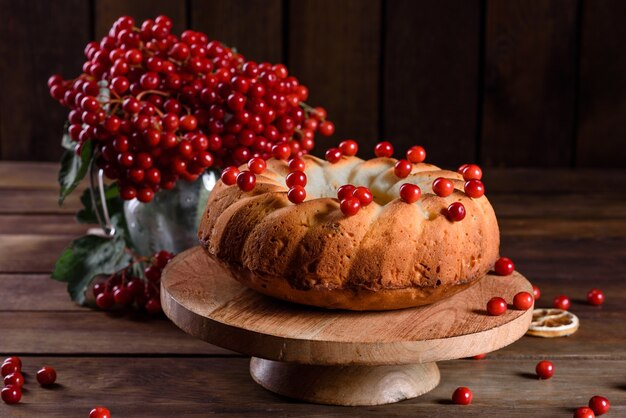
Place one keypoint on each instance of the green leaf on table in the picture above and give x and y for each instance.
(73, 169)
(87, 257)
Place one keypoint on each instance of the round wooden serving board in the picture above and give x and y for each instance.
(338, 357)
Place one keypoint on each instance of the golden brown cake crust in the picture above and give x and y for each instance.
(389, 255)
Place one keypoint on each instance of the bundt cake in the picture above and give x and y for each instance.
(355, 254)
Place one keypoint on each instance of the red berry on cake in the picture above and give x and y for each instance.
(296, 194)
(257, 165)
(246, 180)
(383, 149)
(443, 187)
(327, 128)
(562, 302)
(295, 178)
(350, 206)
(345, 191)
(523, 301)
(410, 193)
(416, 154)
(472, 172)
(364, 195)
(229, 175)
(595, 297)
(504, 266)
(349, 147)
(281, 151)
(296, 164)
(461, 168)
(462, 396)
(402, 168)
(333, 155)
(456, 212)
(496, 306)
(474, 188)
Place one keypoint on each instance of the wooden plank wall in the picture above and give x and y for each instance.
(534, 83)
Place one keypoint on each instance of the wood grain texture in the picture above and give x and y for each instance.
(41, 225)
(91, 332)
(27, 175)
(31, 253)
(20, 289)
(107, 11)
(342, 76)
(222, 387)
(254, 27)
(602, 99)
(33, 46)
(199, 296)
(530, 83)
(20, 202)
(431, 77)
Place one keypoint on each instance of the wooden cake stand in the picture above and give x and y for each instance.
(338, 357)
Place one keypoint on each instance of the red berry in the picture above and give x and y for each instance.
(383, 149)
(479, 356)
(584, 412)
(122, 296)
(536, 292)
(410, 193)
(504, 266)
(327, 128)
(350, 206)
(595, 297)
(246, 180)
(229, 175)
(46, 376)
(443, 187)
(523, 301)
(145, 195)
(295, 178)
(257, 165)
(11, 395)
(599, 404)
(153, 306)
(281, 151)
(462, 396)
(153, 273)
(456, 212)
(349, 147)
(333, 155)
(496, 306)
(345, 191)
(416, 154)
(402, 168)
(364, 195)
(188, 122)
(105, 300)
(128, 192)
(544, 369)
(14, 379)
(474, 188)
(162, 258)
(296, 194)
(296, 164)
(100, 412)
(135, 286)
(562, 302)
(13, 359)
(472, 172)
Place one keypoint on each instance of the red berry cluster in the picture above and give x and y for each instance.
(352, 198)
(521, 301)
(178, 105)
(14, 379)
(122, 289)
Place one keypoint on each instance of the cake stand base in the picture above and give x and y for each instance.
(345, 385)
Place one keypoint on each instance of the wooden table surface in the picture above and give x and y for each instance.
(566, 231)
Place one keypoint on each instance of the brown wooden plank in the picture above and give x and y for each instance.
(93, 332)
(579, 206)
(553, 180)
(334, 49)
(562, 228)
(41, 225)
(199, 387)
(37, 39)
(31, 253)
(602, 94)
(34, 292)
(28, 175)
(107, 11)
(431, 77)
(530, 83)
(23, 202)
(254, 27)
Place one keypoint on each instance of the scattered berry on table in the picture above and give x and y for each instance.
(462, 396)
(9, 367)
(11, 394)
(544, 369)
(599, 404)
(14, 379)
(496, 306)
(13, 359)
(584, 412)
(100, 412)
(46, 376)
(562, 302)
(595, 297)
(479, 356)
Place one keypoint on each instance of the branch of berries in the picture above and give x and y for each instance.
(126, 288)
(160, 108)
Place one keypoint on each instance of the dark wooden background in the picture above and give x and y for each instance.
(504, 83)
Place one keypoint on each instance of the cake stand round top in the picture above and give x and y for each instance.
(201, 297)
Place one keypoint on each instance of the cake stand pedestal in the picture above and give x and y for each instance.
(338, 357)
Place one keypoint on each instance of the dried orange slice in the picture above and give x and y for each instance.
(551, 323)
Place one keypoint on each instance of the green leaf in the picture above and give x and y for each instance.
(87, 215)
(66, 141)
(73, 169)
(87, 257)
